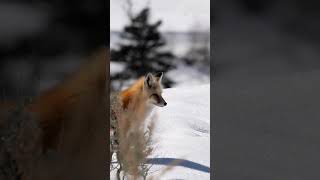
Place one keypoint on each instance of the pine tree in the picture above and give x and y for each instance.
(140, 49)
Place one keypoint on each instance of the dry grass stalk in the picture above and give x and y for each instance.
(134, 140)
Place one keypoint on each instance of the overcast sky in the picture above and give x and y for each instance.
(177, 15)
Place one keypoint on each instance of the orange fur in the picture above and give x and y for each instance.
(133, 93)
(133, 105)
(136, 99)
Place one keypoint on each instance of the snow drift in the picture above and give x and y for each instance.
(183, 133)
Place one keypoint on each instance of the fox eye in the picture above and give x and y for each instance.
(156, 96)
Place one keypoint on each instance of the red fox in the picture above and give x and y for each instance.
(144, 92)
(130, 107)
(139, 99)
(73, 120)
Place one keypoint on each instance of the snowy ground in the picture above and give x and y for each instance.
(183, 126)
(183, 132)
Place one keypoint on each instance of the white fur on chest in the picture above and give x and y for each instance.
(149, 109)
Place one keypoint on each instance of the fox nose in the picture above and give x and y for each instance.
(165, 103)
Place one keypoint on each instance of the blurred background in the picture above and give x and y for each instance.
(43, 41)
(152, 36)
(266, 97)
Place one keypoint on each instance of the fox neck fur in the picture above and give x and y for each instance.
(135, 101)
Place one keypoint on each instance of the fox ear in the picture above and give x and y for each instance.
(158, 76)
(148, 81)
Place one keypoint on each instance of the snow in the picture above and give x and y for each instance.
(183, 132)
(185, 76)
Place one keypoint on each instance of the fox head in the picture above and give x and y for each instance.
(153, 89)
